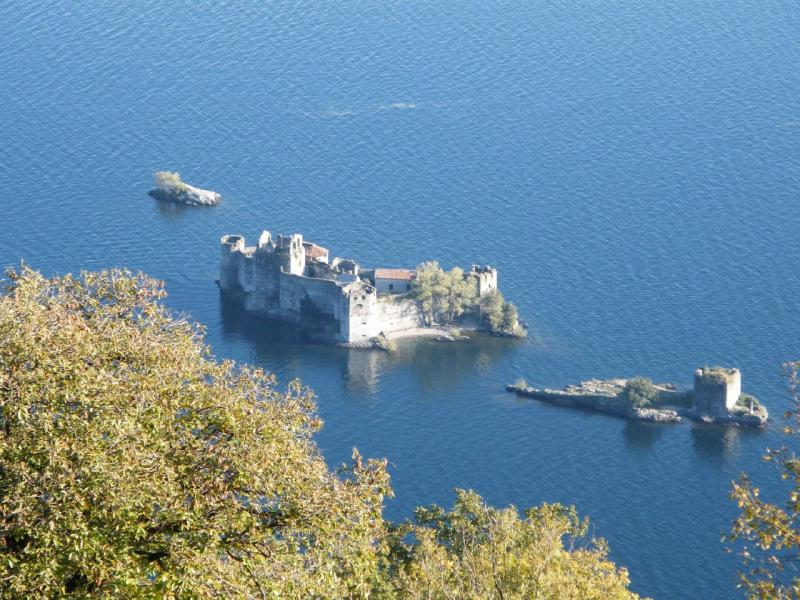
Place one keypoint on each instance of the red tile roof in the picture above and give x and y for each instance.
(404, 274)
(314, 251)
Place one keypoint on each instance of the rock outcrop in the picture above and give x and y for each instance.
(170, 188)
(655, 415)
(601, 398)
(189, 195)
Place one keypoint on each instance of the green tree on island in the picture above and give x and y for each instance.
(492, 306)
(169, 181)
(444, 296)
(639, 392)
(510, 322)
(135, 465)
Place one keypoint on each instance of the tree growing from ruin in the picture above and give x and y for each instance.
(501, 316)
(492, 307)
(767, 534)
(510, 321)
(443, 295)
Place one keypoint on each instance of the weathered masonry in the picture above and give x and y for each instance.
(716, 390)
(288, 279)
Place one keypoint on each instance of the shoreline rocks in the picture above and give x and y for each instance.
(388, 343)
(599, 401)
(655, 415)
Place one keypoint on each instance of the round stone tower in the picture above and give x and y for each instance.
(231, 249)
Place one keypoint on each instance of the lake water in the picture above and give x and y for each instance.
(631, 168)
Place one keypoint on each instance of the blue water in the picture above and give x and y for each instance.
(632, 169)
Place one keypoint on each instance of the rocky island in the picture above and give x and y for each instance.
(170, 188)
(716, 398)
(334, 300)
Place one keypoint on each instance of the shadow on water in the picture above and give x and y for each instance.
(170, 210)
(641, 435)
(436, 364)
(719, 443)
(268, 337)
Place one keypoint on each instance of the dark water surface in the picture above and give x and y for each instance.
(632, 169)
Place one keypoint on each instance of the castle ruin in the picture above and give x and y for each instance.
(292, 280)
(716, 398)
(716, 390)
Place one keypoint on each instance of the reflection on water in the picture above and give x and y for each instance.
(439, 365)
(363, 370)
(436, 365)
(641, 435)
(720, 443)
(261, 333)
(171, 210)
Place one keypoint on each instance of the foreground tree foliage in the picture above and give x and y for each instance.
(767, 535)
(134, 465)
(476, 552)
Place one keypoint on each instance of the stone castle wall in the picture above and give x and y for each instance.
(274, 279)
(372, 315)
(398, 314)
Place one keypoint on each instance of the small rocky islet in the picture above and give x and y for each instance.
(170, 188)
(716, 398)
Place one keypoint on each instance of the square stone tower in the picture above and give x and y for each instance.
(293, 252)
(716, 390)
(485, 279)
